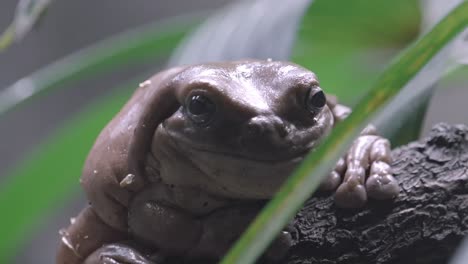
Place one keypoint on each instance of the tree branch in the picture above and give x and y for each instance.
(423, 225)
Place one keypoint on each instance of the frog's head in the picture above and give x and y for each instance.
(240, 127)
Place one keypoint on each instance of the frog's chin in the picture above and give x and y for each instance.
(242, 177)
(226, 174)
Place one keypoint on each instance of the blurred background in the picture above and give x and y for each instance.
(69, 26)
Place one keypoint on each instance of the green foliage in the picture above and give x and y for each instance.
(347, 47)
(306, 179)
(148, 43)
(28, 13)
(51, 173)
(335, 38)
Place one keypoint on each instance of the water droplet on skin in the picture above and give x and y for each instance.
(95, 171)
(63, 232)
(67, 243)
(128, 180)
(145, 83)
(269, 59)
(72, 220)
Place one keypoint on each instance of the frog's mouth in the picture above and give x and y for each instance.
(236, 175)
(294, 157)
(293, 153)
(244, 177)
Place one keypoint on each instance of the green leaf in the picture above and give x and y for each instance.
(7, 38)
(28, 13)
(346, 43)
(336, 36)
(306, 179)
(244, 29)
(144, 44)
(51, 173)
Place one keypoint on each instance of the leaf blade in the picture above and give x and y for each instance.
(149, 42)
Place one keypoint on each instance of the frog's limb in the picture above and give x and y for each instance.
(114, 169)
(121, 253)
(219, 235)
(177, 232)
(160, 225)
(333, 180)
(365, 170)
(367, 173)
(381, 184)
(86, 233)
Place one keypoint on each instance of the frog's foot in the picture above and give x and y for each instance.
(120, 253)
(279, 248)
(365, 171)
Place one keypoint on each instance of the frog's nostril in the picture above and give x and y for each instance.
(265, 126)
(254, 128)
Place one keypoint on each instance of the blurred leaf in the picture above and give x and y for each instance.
(459, 52)
(433, 11)
(244, 29)
(336, 36)
(306, 179)
(51, 173)
(28, 13)
(7, 37)
(336, 40)
(461, 255)
(138, 45)
(403, 119)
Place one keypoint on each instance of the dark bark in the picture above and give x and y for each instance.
(423, 225)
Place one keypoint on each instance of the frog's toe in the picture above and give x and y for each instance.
(279, 248)
(120, 253)
(380, 151)
(381, 184)
(351, 194)
(331, 182)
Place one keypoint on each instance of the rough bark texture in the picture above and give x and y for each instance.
(423, 225)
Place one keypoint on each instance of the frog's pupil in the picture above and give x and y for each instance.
(317, 100)
(200, 105)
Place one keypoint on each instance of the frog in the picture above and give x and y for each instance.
(198, 150)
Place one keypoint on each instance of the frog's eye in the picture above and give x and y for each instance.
(200, 109)
(315, 100)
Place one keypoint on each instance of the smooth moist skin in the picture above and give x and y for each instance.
(195, 153)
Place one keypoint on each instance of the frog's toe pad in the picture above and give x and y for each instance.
(366, 173)
(351, 194)
(381, 184)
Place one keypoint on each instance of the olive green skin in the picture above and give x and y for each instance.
(169, 183)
